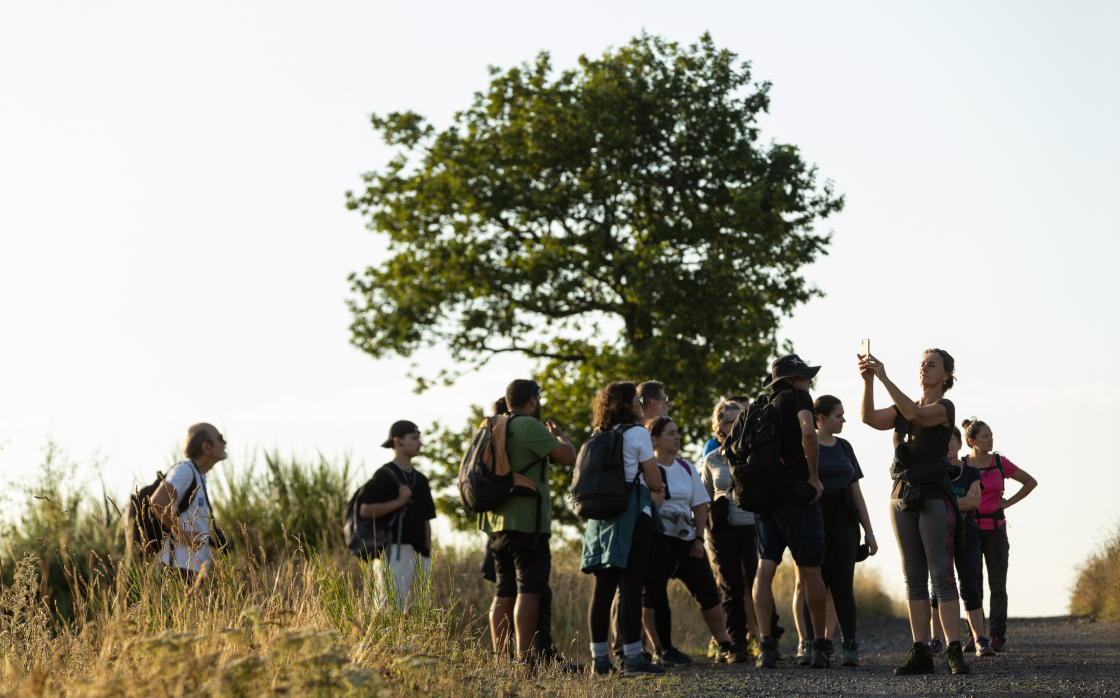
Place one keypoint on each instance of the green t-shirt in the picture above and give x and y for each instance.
(530, 442)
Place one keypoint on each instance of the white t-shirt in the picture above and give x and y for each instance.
(637, 447)
(686, 490)
(196, 516)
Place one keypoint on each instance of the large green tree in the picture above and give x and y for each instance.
(618, 220)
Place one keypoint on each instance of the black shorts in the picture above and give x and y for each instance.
(520, 566)
(794, 524)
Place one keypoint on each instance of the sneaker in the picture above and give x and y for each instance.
(997, 642)
(918, 661)
(602, 666)
(937, 646)
(766, 658)
(640, 666)
(954, 656)
(984, 648)
(851, 652)
(671, 657)
(970, 644)
(820, 654)
(730, 653)
(805, 653)
(753, 647)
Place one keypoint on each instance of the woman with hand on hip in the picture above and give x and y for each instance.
(923, 509)
(994, 469)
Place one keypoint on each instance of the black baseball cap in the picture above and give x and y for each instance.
(399, 429)
(789, 366)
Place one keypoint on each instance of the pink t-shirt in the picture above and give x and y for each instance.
(992, 490)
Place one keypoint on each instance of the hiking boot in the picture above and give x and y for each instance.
(601, 666)
(936, 646)
(830, 648)
(640, 666)
(805, 653)
(713, 647)
(984, 648)
(918, 661)
(671, 657)
(851, 652)
(954, 655)
(820, 654)
(997, 642)
(776, 633)
(752, 647)
(766, 658)
(730, 653)
(970, 644)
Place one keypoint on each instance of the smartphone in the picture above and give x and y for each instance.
(866, 348)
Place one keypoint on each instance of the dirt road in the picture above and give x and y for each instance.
(1045, 657)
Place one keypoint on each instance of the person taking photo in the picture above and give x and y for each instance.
(924, 511)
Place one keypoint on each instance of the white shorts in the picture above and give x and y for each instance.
(409, 576)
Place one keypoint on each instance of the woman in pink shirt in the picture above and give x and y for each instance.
(994, 469)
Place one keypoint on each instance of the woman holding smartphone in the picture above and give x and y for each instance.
(923, 505)
(616, 551)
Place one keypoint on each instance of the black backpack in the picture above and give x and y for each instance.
(363, 538)
(599, 487)
(145, 530)
(753, 451)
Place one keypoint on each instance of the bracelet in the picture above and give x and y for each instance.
(869, 535)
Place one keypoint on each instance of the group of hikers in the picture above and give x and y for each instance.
(721, 527)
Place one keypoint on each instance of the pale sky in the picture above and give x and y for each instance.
(174, 244)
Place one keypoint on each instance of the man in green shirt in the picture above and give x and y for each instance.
(522, 558)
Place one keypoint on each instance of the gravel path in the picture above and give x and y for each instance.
(1046, 657)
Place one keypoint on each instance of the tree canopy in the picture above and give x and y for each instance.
(619, 220)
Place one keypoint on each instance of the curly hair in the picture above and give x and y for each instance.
(614, 405)
(725, 407)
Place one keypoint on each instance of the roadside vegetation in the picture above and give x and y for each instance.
(1096, 592)
(285, 610)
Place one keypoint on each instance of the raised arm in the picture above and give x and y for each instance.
(565, 453)
(921, 415)
(876, 419)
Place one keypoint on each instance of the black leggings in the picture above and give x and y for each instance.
(841, 543)
(694, 573)
(629, 584)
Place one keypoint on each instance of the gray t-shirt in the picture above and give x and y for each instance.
(716, 476)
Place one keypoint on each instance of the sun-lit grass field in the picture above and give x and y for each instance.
(284, 612)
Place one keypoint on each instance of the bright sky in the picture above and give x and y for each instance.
(174, 245)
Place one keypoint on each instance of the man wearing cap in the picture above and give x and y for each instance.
(794, 522)
(400, 501)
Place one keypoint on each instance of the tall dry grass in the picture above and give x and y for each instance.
(1097, 589)
(286, 611)
(300, 625)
